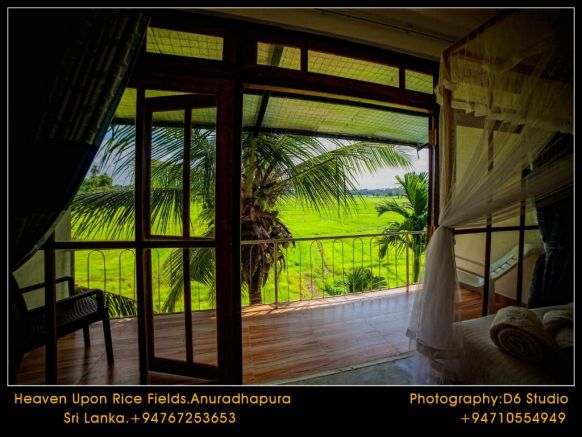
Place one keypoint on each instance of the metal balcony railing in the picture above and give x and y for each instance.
(275, 271)
(294, 269)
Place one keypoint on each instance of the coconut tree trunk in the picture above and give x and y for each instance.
(415, 267)
(416, 253)
(255, 285)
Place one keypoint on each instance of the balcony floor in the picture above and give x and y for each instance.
(297, 339)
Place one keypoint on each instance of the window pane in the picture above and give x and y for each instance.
(112, 271)
(336, 119)
(192, 45)
(167, 151)
(203, 171)
(203, 294)
(168, 303)
(104, 206)
(420, 82)
(350, 68)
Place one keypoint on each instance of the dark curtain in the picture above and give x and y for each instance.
(553, 276)
(553, 281)
(68, 70)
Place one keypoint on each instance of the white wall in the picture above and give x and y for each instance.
(32, 272)
(472, 246)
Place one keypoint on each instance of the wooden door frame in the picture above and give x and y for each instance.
(227, 233)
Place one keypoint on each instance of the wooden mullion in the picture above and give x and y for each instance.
(401, 77)
(154, 70)
(140, 134)
(339, 47)
(436, 158)
(50, 296)
(186, 173)
(146, 257)
(261, 114)
(430, 221)
(149, 310)
(228, 179)
(229, 51)
(436, 185)
(494, 229)
(142, 320)
(304, 60)
(335, 99)
(171, 103)
(167, 123)
(488, 235)
(187, 305)
(147, 178)
(281, 77)
(177, 73)
(521, 245)
(487, 269)
(186, 234)
(140, 214)
(274, 62)
(242, 31)
(247, 52)
(169, 242)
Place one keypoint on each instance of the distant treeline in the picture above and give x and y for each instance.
(104, 182)
(380, 192)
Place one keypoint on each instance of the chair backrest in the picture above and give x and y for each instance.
(18, 293)
(18, 306)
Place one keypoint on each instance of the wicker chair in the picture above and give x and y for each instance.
(77, 311)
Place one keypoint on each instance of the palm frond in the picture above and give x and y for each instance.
(391, 239)
(120, 306)
(414, 212)
(203, 165)
(172, 271)
(202, 269)
(392, 205)
(107, 213)
(361, 280)
(111, 213)
(118, 148)
(322, 176)
(415, 186)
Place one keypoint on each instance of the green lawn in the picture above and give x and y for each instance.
(311, 267)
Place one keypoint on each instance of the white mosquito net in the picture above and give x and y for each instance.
(506, 96)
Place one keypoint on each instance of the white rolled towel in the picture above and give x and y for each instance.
(519, 332)
(555, 320)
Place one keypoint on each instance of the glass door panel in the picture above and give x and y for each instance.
(180, 138)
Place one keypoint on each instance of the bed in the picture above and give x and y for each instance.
(484, 363)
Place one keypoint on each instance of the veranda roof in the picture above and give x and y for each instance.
(289, 114)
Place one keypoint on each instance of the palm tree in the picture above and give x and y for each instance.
(361, 279)
(275, 168)
(414, 212)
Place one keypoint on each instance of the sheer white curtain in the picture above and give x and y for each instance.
(505, 94)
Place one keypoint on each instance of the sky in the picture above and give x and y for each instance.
(386, 178)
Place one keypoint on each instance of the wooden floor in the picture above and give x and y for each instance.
(298, 339)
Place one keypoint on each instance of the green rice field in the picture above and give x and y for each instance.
(312, 268)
